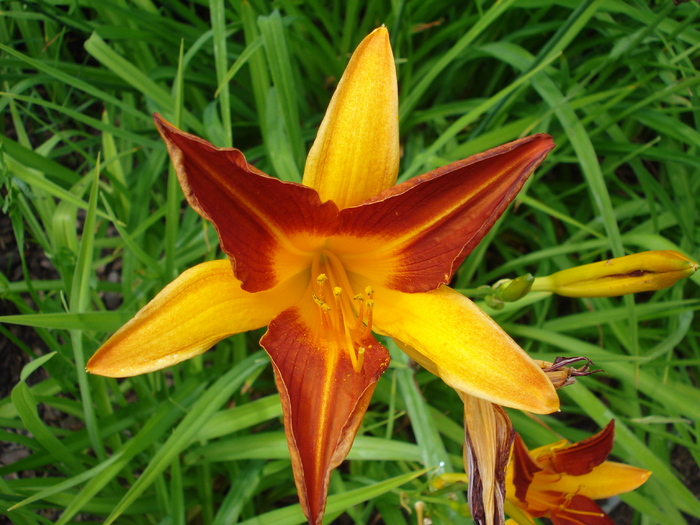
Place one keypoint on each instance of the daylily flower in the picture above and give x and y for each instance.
(639, 272)
(561, 480)
(325, 263)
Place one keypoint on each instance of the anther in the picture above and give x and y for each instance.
(320, 303)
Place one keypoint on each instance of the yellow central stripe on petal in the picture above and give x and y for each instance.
(345, 317)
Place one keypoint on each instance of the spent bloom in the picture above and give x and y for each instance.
(327, 263)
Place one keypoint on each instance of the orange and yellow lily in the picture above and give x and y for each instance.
(561, 480)
(327, 262)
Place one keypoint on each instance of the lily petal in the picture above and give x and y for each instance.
(269, 228)
(356, 152)
(523, 469)
(466, 348)
(580, 458)
(414, 236)
(198, 309)
(604, 481)
(323, 398)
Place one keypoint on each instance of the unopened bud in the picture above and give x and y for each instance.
(514, 289)
(641, 272)
(561, 374)
(509, 290)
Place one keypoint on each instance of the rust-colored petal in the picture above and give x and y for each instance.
(464, 346)
(524, 469)
(488, 435)
(414, 236)
(323, 397)
(356, 152)
(202, 306)
(269, 228)
(580, 458)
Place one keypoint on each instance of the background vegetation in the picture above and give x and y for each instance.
(94, 225)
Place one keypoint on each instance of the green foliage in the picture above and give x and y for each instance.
(89, 195)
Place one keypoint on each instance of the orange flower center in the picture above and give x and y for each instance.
(346, 317)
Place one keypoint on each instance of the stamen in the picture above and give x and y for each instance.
(320, 302)
(370, 308)
(354, 358)
(359, 323)
(360, 358)
(337, 298)
(351, 323)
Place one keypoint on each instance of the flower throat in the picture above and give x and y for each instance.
(346, 317)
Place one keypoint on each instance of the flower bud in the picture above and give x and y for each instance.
(512, 290)
(640, 272)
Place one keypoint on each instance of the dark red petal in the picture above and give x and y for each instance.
(424, 228)
(266, 226)
(323, 399)
(580, 510)
(580, 458)
(524, 468)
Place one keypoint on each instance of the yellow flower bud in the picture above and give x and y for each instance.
(640, 272)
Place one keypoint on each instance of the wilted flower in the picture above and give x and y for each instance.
(562, 374)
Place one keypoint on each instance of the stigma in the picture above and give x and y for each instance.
(346, 316)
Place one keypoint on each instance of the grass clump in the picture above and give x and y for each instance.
(94, 225)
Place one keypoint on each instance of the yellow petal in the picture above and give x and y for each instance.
(198, 309)
(356, 152)
(604, 481)
(465, 347)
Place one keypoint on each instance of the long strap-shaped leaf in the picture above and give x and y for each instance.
(201, 411)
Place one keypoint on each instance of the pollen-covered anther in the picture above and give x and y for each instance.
(320, 302)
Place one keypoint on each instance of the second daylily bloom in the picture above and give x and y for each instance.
(325, 263)
(561, 480)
